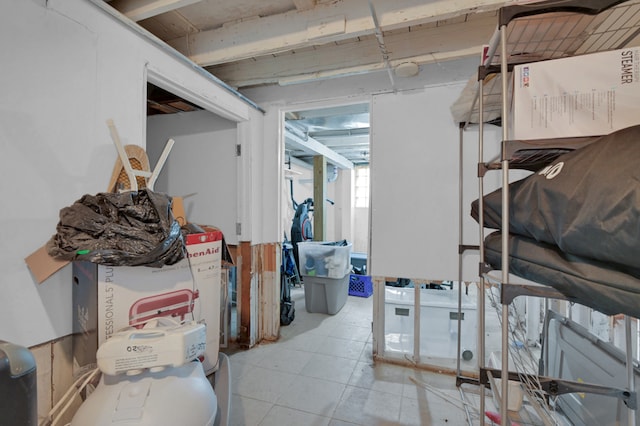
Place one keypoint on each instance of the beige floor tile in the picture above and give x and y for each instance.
(284, 416)
(335, 422)
(341, 348)
(330, 368)
(309, 341)
(381, 377)
(419, 383)
(312, 395)
(247, 411)
(432, 412)
(352, 332)
(254, 355)
(264, 384)
(321, 372)
(287, 360)
(368, 407)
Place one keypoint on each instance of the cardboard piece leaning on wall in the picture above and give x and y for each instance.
(43, 266)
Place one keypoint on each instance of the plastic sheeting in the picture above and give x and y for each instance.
(134, 228)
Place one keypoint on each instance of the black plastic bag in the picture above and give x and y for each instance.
(134, 228)
(586, 202)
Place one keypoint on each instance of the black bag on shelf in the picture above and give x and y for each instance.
(587, 202)
(133, 228)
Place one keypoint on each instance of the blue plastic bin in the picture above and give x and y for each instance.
(360, 285)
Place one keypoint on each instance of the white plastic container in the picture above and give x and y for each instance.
(172, 396)
(438, 322)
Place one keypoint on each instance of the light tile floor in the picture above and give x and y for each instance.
(321, 372)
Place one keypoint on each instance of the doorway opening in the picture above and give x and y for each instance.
(339, 134)
(325, 194)
(196, 128)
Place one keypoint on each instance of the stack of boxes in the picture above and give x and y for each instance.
(109, 298)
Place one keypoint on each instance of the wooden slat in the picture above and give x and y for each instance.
(244, 292)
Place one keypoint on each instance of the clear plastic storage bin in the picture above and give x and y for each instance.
(321, 259)
(325, 269)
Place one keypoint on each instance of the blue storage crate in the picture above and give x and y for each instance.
(360, 285)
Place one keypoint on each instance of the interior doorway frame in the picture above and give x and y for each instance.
(313, 105)
(308, 105)
(152, 75)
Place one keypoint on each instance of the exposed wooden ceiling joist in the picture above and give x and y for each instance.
(255, 42)
(137, 10)
(423, 44)
(320, 25)
(311, 147)
(304, 4)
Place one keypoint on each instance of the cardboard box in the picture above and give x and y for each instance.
(109, 298)
(586, 95)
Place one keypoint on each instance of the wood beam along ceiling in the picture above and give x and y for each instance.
(301, 28)
(137, 10)
(421, 44)
(299, 40)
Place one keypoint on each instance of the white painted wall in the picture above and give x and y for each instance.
(415, 186)
(338, 191)
(360, 229)
(69, 67)
(202, 162)
(266, 159)
(73, 66)
(437, 149)
(302, 179)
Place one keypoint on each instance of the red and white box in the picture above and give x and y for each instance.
(132, 295)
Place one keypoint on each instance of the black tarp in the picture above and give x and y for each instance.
(587, 202)
(585, 281)
(134, 228)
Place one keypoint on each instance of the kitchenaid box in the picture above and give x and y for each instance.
(130, 296)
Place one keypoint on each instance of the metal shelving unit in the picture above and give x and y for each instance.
(528, 33)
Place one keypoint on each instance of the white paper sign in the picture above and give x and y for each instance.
(579, 96)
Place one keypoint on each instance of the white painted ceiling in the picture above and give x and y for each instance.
(249, 43)
(254, 42)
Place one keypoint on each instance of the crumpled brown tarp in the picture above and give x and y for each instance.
(134, 228)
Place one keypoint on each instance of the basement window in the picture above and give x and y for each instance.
(362, 186)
